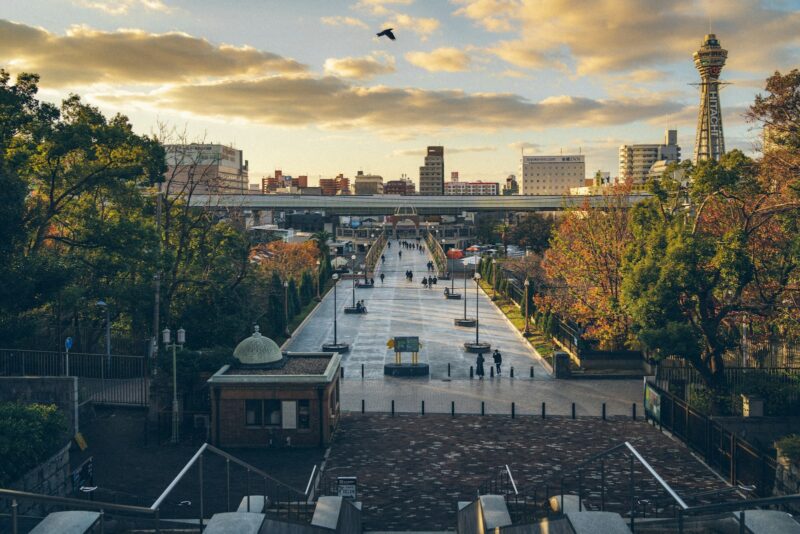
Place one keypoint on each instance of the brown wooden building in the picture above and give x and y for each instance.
(274, 399)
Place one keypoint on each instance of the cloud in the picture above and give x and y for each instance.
(446, 59)
(378, 7)
(525, 145)
(344, 21)
(687, 115)
(121, 7)
(492, 15)
(361, 68)
(86, 56)
(608, 36)
(448, 150)
(422, 26)
(330, 102)
(511, 73)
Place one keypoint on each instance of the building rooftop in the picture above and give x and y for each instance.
(257, 350)
(305, 364)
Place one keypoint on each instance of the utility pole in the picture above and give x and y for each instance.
(157, 282)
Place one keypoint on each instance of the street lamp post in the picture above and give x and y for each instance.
(286, 308)
(494, 279)
(353, 257)
(477, 319)
(104, 305)
(335, 346)
(319, 275)
(179, 341)
(465, 293)
(527, 284)
(335, 339)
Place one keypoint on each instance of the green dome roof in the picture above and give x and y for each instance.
(257, 350)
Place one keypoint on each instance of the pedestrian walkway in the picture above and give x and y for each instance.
(402, 308)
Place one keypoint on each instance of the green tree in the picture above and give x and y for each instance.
(532, 232)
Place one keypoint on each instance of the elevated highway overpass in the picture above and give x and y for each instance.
(388, 204)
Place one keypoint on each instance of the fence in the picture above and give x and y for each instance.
(115, 380)
(764, 354)
(731, 456)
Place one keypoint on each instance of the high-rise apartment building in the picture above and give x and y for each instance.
(710, 139)
(368, 184)
(472, 188)
(636, 161)
(403, 186)
(552, 175)
(431, 175)
(335, 186)
(511, 186)
(205, 169)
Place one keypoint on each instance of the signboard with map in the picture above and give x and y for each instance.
(406, 344)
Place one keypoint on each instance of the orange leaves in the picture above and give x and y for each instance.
(290, 260)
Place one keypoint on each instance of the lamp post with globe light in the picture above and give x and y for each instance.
(179, 341)
(286, 309)
(353, 276)
(527, 284)
(335, 346)
(319, 275)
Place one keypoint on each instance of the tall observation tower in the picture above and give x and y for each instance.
(709, 60)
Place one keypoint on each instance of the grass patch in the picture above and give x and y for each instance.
(540, 341)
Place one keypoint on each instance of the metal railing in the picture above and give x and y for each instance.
(115, 380)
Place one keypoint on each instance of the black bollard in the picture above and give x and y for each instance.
(392, 408)
(362, 405)
(573, 410)
(362, 370)
(471, 372)
(483, 408)
(341, 371)
(453, 408)
(512, 371)
(633, 411)
(513, 410)
(544, 410)
(531, 371)
(423, 407)
(491, 371)
(448, 369)
(604, 411)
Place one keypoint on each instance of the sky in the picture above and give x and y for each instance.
(307, 87)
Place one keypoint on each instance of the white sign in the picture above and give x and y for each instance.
(289, 414)
(346, 487)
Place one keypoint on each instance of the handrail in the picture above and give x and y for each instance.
(311, 479)
(511, 478)
(178, 477)
(80, 503)
(740, 505)
(658, 478)
(251, 467)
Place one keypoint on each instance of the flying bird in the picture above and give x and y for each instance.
(388, 33)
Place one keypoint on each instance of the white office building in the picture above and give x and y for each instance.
(552, 175)
(636, 162)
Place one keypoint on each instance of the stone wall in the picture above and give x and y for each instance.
(787, 477)
(51, 477)
(58, 390)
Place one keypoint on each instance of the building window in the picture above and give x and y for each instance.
(253, 412)
(304, 414)
(272, 413)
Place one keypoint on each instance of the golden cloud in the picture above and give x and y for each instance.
(446, 59)
(121, 7)
(449, 150)
(331, 102)
(86, 56)
(361, 68)
(344, 21)
(422, 26)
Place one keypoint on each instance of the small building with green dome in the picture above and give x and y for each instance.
(271, 398)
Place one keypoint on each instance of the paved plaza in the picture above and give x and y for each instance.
(401, 308)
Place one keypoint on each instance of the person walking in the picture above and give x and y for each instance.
(382, 277)
(400, 254)
(383, 258)
(479, 366)
(498, 360)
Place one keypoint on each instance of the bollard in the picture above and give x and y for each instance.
(513, 410)
(531, 371)
(604, 411)
(544, 410)
(453, 408)
(512, 371)
(471, 372)
(392, 407)
(573, 410)
(491, 371)
(423, 407)
(341, 369)
(633, 411)
(362, 370)
(362, 405)
(448, 369)
(483, 408)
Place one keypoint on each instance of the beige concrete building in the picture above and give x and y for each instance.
(205, 168)
(431, 175)
(472, 188)
(552, 175)
(636, 161)
(368, 184)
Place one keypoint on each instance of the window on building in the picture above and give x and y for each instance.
(253, 410)
(272, 413)
(304, 414)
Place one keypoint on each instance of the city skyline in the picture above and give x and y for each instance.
(314, 92)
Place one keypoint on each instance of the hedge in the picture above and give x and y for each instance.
(29, 434)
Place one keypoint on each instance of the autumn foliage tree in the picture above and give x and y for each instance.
(583, 270)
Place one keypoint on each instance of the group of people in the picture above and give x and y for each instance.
(430, 266)
(362, 308)
(429, 281)
(409, 275)
(498, 362)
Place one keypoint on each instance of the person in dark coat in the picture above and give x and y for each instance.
(424, 281)
(382, 277)
(498, 360)
(479, 366)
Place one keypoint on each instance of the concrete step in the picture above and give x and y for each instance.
(768, 521)
(596, 522)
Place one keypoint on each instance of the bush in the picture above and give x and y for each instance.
(29, 434)
(191, 363)
(790, 446)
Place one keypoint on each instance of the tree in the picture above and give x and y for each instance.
(503, 230)
(696, 271)
(532, 232)
(583, 269)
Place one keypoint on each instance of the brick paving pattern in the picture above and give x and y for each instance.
(412, 469)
